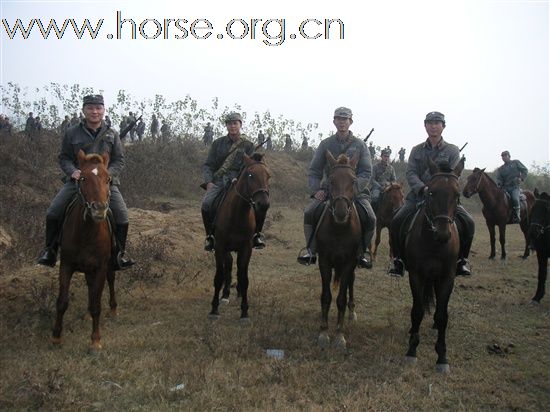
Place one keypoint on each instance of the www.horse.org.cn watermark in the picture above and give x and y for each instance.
(272, 32)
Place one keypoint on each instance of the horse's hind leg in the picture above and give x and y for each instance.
(65, 275)
(228, 262)
(502, 239)
(112, 296)
(96, 282)
(492, 240)
(417, 314)
(443, 293)
(218, 283)
(542, 274)
(243, 259)
(525, 229)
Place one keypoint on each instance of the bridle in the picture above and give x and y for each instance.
(476, 190)
(427, 209)
(245, 172)
(88, 206)
(540, 229)
(333, 200)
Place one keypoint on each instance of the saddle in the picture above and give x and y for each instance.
(522, 204)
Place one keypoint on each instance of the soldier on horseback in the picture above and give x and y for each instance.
(508, 177)
(383, 174)
(342, 142)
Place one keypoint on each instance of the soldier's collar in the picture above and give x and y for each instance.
(441, 144)
(347, 139)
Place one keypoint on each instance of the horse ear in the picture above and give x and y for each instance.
(354, 160)
(105, 157)
(432, 166)
(247, 160)
(81, 157)
(330, 158)
(483, 170)
(460, 166)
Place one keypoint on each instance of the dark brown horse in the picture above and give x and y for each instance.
(496, 209)
(431, 252)
(86, 244)
(391, 199)
(234, 228)
(338, 237)
(539, 236)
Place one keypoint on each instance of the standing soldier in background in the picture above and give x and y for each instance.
(74, 120)
(64, 124)
(223, 164)
(29, 125)
(165, 131)
(208, 134)
(304, 142)
(132, 120)
(91, 136)
(288, 143)
(108, 121)
(372, 151)
(402, 155)
(140, 129)
(383, 174)
(261, 138)
(154, 127)
(269, 143)
(509, 176)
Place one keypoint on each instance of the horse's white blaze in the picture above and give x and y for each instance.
(95, 171)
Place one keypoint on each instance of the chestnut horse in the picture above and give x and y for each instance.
(234, 228)
(539, 236)
(431, 252)
(496, 209)
(86, 243)
(391, 199)
(338, 237)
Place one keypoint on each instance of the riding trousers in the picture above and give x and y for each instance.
(514, 193)
(69, 190)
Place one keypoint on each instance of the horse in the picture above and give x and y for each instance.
(86, 244)
(235, 225)
(391, 199)
(539, 236)
(496, 209)
(338, 237)
(431, 252)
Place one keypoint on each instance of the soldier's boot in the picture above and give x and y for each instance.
(365, 259)
(397, 269)
(308, 256)
(209, 242)
(463, 267)
(258, 241)
(121, 262)
(516, 217)
(48, 256)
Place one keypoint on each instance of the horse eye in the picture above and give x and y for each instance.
(250, 175)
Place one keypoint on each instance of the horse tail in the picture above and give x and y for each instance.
(428, 295)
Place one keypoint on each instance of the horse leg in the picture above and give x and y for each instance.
(417, 314)
(227, 281)
(96, 282)
(112, 297)
(443, 291)
(351, 302)
(542, 260)
(376, 241)
(492, 240)
(243, 260)
(326, 298)
(218, 283)
(65, 275)
(344, 273)
(502, 239)
(525, 229)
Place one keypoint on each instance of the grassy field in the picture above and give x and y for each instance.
(162, 353)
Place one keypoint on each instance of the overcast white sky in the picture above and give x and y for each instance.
(482, 63)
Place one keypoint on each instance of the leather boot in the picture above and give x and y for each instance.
(398, 268)
(516, 216)
(463, 268)
(209, 242)
(258, 241)
(49, 255)
(309, 256)
(121, 233)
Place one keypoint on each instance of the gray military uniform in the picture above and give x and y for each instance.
(382, 175)
(509, 176)
(79, 137)
(318, 180)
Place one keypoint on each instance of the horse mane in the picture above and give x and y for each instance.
(444, 167)
(342, 160)
(257, 157)
(94, 158)
(491, 180)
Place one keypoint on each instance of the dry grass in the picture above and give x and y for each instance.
(163, 338)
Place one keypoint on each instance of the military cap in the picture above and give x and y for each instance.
(233, 116)
(343, 112)
(505, 153)
(385, 152)
(435, 117)
(93, 99)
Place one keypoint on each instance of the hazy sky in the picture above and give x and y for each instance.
(482, 63)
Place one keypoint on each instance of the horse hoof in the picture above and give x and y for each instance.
(340, 342)
(443, 368)
(213, 316)
(87, 316)
(411, 360)
(113, 314)
(352, 316)
(323, 340)
(491, 258)
(56, 341)
(534, 302)
(95, 349)
(245, 321)
(224, 301)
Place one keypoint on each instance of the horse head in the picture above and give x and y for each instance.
(342, 184)
(94, 184)
(254, 182)
(473, 182)
(441, 198)
(540, 215)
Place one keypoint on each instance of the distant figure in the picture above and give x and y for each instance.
(108, 121)
(208, 134)
(123, 123)
(64, 124)
(402, 155)
(304, 142)
(388, 149)
(29, 125)
(269, 143)
(140, 129)
(37, 124)
(74, 120)
(154, 127)
(165, 131)
(288, 143)
(5, 125)
(383, 175)
(509, 176)
(132, 120)
(261, 138)
(372, 150)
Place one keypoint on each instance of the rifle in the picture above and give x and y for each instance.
(367, 138)
(125, 131)
(463, 147)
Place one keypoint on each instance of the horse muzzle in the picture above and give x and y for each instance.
(98, 211)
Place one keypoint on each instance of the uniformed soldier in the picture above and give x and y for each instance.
(372, 151)
(342, 142)
(208, 134)
(509, 176)
(418, 175)
(261, 138)
(92, 135)
(223, 164)
(402, 152)
(383, 174)
(154, 127)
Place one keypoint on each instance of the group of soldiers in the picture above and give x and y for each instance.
(225, 159)
(387, 150)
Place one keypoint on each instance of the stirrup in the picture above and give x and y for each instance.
(306, 257)
(258, 241)
(398, 268)
(209, 243)
(123, 263)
